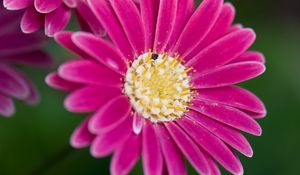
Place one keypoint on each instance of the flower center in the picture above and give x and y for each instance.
(158, 87)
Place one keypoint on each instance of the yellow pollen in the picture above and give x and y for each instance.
(158, 87)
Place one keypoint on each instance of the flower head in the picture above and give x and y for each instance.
(21, 49)
(163, 86)
(54, 15)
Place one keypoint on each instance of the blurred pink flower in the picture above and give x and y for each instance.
(163, 88)
(54, 15)
(17, 48)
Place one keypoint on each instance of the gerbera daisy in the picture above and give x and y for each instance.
(21, 49)
(54, 15)
(163, 88)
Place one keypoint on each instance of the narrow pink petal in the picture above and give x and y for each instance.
(229, 135)
(12, 83)
(17, 4)
(55, 81)
(88, 72)
(149, 11)
(81, 136)
(212, 145)
(43, 6)
(228, 75)
(31, 21)
(112, 26)
(130, 18)
(171, 154)
(223, 50)
(185, 10)
(137, 124)
(111, 114)
(105, 143)
(91, 98)
(36, 58)
(228, 115)
(71, 3)
(101, 50)
(188, 148)
(214, 169)
(33, 97)
(126, 156)
(219, 29)
(7, 107)
(234, 96)
(17, 43)
(198, 26)
(165, 24)
(65, 40)
(152, 155)
(250, 56)
(57, 20)
(234, 28)
(89, 18)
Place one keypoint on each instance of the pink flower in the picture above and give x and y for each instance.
(54, 15)
(163, 88)
(21, 49)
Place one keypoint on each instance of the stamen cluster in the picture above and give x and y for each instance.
(158, 87)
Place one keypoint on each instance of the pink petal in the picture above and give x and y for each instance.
(219, 29)
(105, 143)
(89, 72)
(55, 81)
(227, 75)
(7, 107)
(250, 56)
(185, 10)
(212, 145)
(126, 156)
(57, 20)
(234, 96)
(65, 40)
(214, 169)
(89, 18)
(81, 137)
(43, 6)
(71, 3)
(234, 28)
(111, 114)
(172, 155)
(33, 97)
(12, 83)
(223, 50)
(91, 98)
(31, 21)
(149, 11)
(101, 50)
(130, 19)
(188, 148)
(17, 4)
(229, 135)
(152, 155)
(228, 115)
(109, 20)
(165, 24)
(17, 43)
(198, 26)
(36, 58)
(137, 124)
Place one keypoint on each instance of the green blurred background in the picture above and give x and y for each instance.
(36, 140)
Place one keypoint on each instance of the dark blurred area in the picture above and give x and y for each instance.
(36, 140)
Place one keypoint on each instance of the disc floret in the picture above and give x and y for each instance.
(158, 87)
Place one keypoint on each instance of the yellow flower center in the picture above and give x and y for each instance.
(158, 87)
